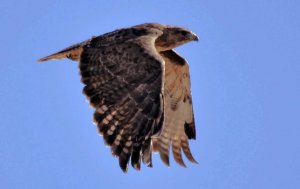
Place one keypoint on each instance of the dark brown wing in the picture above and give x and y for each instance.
(179, 123)
(112, 38)
(123, 82)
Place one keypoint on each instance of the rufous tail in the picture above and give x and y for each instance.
(73, 52)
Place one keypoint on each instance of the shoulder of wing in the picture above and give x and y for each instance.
(123, 35)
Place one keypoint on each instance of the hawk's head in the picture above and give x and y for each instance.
(172, 36)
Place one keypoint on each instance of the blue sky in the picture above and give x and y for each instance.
(245, 74)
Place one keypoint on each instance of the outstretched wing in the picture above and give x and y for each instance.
(123, 82)
(179, 124)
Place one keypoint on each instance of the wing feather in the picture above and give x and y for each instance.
(179, 119)
(123, 82)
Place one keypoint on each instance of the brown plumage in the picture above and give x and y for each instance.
(140, 89)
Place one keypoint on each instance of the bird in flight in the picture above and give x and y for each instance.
(140, 90)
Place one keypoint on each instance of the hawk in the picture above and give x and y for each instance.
(140, 90)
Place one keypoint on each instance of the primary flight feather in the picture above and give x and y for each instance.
(140, 89)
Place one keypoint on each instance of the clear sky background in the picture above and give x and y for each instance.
(245, 73)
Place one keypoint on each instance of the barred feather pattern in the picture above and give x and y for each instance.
(124, 85)
(179, 124)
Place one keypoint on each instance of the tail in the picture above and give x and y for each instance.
(73, 52)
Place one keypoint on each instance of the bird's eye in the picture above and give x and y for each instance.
(184, 32)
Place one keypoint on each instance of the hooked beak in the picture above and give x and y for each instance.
(195, 37)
